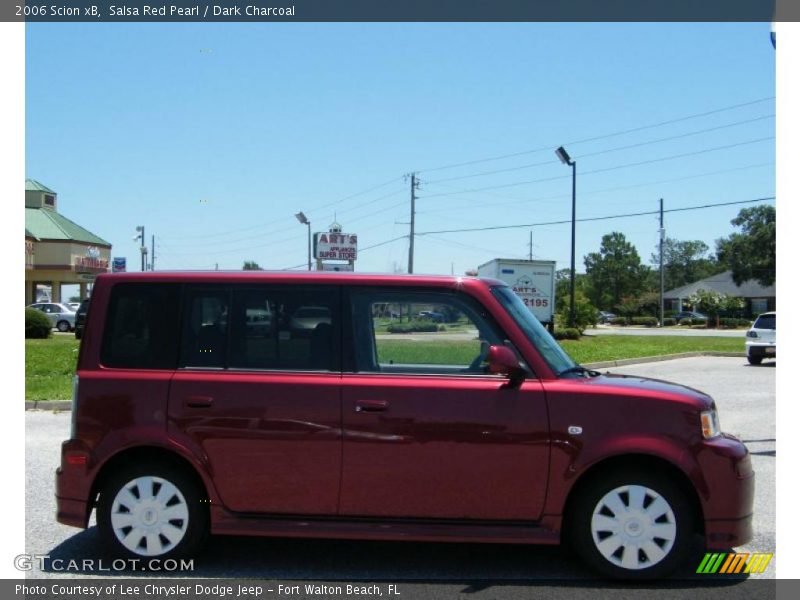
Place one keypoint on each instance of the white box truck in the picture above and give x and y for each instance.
(532, 280)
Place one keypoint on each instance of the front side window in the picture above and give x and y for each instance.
(141, 329)
(558, 360)
(421, 333)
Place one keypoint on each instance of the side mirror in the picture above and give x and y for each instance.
(503, 361)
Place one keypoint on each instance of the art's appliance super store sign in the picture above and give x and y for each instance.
(335, 246)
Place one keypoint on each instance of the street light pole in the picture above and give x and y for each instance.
(142, 246)
(565, 158)
(304, 220)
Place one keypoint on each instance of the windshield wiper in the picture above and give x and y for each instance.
(579, 369)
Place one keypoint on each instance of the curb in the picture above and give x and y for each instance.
(66, 405)
(54, 405)
(650, 359)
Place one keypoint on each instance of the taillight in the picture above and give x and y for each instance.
(74, 416)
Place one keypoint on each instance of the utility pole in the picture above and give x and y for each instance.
(530, 247)
(414, 186)
(153, 253)
(661, 257)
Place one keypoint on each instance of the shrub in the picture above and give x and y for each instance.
(585, 314)
(414, 326)
(619, 321)
(570, 333)
(37, 325)
(646, 321)
(731, 323)
(668, 322)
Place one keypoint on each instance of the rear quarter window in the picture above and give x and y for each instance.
(141, 328)
(765, 322)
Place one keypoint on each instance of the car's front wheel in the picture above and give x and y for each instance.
(632, 525)
(152, 512)
(63, 326)
(754, 360)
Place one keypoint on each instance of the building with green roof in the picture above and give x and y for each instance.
(58, 251)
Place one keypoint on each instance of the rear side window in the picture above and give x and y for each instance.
(765, 322)
(141, 329)
(261, 327)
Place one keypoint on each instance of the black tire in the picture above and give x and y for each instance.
(187, 531)
(63, 326)
(655, 556)
(755, 360)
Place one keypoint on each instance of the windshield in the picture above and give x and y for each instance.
(550, 350)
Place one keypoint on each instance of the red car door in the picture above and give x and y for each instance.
(427, 433)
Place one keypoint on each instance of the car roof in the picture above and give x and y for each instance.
(309, 277)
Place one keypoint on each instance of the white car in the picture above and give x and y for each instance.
(61, 316)
(760, 342)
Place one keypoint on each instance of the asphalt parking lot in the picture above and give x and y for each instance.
(745, 398)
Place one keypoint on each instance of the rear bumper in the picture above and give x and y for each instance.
(760, 350)
(72, 488)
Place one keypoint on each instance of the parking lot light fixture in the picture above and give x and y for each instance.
(565, 158)
(304, 221)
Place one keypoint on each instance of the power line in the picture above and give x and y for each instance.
(360, 250)
(599, 137)
(518, 201)
(604, 170)
(618, 148)
(604, 218)
(318, 208)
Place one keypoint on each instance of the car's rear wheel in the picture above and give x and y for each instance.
(755, 360)
(63, 326)
(152, 512)
(632, 525)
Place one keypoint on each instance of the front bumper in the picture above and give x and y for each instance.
(728, 493)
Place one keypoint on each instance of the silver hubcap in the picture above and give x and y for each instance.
(149, 516)
(633, 527)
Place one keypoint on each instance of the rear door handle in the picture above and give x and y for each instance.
(198, 401)
(371, 406)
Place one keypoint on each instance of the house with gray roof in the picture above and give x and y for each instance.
(758, 298)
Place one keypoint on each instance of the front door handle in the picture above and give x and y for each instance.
(198, 401)
(371, 406)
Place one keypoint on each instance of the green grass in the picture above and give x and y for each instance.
(49, 367)
(444, 352)
(601, 348)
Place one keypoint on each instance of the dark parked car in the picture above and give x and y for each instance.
(690, 314)
(605, 317)
(80, 318)
(434, 316)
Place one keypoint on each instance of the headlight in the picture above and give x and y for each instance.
(710, 423)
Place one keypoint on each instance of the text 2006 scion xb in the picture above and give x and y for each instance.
(190, 420)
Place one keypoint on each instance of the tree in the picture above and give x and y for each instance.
(685, 262)
(614, 272)
(251, 265)
(750, 254)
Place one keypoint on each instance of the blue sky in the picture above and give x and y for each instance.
(212, 136)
